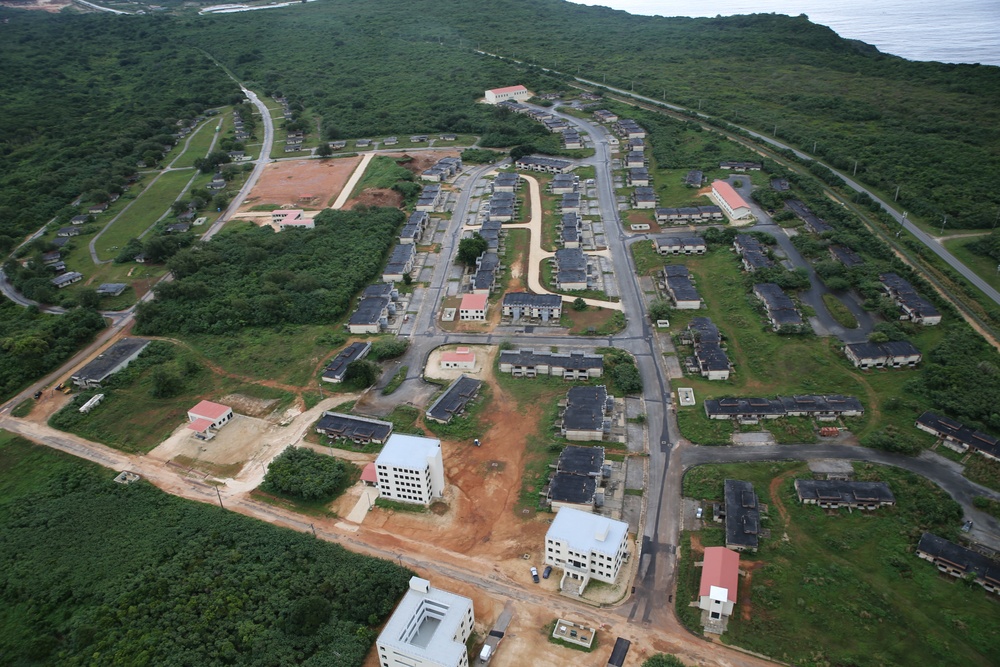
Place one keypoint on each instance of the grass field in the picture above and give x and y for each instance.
(766, 364)
(153, 203)
(382, 172)
(846, 588)
(982, 471)
(132, 420)
(200, 142)
(290, 354)
(840, 312)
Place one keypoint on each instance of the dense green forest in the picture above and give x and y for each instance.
(93, 572)
(86, 97)
(33, 343)
(394, 67)
(255, 277)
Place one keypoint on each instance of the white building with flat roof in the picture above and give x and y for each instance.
(428, 629)
(410, 469)
(586, 546)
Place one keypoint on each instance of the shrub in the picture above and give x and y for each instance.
(388, 348)
(306, 475)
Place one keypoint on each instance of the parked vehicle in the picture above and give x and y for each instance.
(485, 654)
(698, 514)
(967, 526)
(546, 572)
(534, 574)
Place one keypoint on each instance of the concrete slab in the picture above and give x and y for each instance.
(363, 506)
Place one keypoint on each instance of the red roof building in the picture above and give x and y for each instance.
(207, 417)
(720, 577)
(473, 308)
(729, 200)
(369, 476)
(516, 93)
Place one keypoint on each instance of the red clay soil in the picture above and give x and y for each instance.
(376, 197)
(774, 489)
(745, 587)
(309, 184)
(423, 160)
(481, 518)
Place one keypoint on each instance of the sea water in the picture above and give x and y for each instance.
(957, 31)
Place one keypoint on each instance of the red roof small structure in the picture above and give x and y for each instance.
(474, 302)
(369, 475)
(200, 425)
(721, 569)
(209, 410)
(510, 89)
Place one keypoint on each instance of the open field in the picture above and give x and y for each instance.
(841, 588)
(291, 355)
(131, 418)
(311, 184)
(766, 364)
(153, 203)
(202, 140)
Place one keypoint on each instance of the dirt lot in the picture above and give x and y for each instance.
(484, 360)
(483, 485)
(51, 6)
(376, 197)
(224, 455)
(304, 183)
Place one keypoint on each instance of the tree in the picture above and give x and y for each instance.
(659, 310)
(388, 348)
(362, 373)
(579, 304)
(302, 473)
(471, 248)
(627, 378)
(663, 660)
(166, 384)
(324, 150)
(519, 151)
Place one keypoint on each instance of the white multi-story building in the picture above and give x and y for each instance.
(428, 629)
(586, 546)
(410, 469)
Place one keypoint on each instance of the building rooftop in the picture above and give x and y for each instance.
(587, 533)
(338, 366)
(965, 559)
(843, 491)
(570, 488)
(572, 361)
(369, 310)
(720, 570)
(109, 360)
(425, 624)
(474, 302)
(340, 425)
(729, 195)
(210, 410)
(408, 451)
(526, 299)
(742, 514)
(959, 432)
(509, 89)
(586, 408)
(576, 460)
(454, 399)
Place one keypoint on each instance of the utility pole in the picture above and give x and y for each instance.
(814, 147)
(855, 168)
(313, 530)
(775, 133)
(219, 494)
(633, 85)
(943, 223)
(897, 194)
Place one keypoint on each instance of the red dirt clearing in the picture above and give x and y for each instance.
(308, 184)
(376, 197)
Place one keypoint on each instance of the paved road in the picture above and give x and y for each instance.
(260, 163)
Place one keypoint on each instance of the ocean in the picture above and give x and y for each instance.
(958, 31)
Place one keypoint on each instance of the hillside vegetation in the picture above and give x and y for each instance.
(255, 277)
(92, 572)
(85, 98)
(928, 127)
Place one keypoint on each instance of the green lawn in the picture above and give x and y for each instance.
(382, 172)
(982, 471)
(149, 206)
(985, 267)
(289, 355)
(200, 142)
(767, 364)
(840, 312)
(846, 588)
